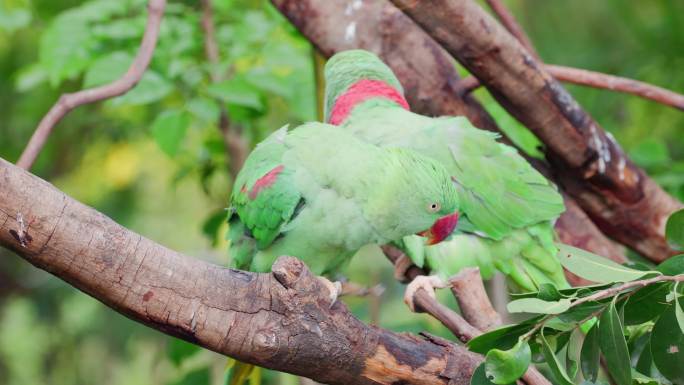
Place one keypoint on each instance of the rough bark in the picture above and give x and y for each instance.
(621, 199)
(281, 320)
(424, 68)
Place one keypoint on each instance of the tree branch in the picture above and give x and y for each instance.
(431, 83)
(68, 102)
(468, 288)
(235, 145)
(619, 197)
(281, 321)
(580, 76)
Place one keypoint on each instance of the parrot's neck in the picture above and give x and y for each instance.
(362, 91)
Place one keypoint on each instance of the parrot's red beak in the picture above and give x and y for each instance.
(441, 229)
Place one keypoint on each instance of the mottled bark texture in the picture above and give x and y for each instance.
(423, 67)
(620, 198)
(281, 320)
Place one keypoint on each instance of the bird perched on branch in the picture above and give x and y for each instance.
(320, 194)
(507, 207)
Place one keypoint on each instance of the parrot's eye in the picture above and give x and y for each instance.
(434, 207)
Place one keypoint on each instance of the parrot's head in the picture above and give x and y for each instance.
(416, 196)
(355, 76)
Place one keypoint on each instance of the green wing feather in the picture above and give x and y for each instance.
(262, 211)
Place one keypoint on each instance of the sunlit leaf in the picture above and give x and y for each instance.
(679, 311)
(572, 354)
(506, 366)
(613, 346)
(595, 268)
(535, 305)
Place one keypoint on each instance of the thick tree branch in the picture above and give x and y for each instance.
(281, 321)
(68, 102)
(431, 83)
(233, 142)
(621, 199)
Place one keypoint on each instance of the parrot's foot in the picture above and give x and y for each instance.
(425, 282)
(334, 288)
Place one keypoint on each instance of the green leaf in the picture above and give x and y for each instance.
(646, 304)
(65, 48)
(169, 130)
(589, 355)
(645, 361)
(613, 345)
(679, 312)
(196, 377)
(580, 312)
(549, 292)
(667, 346)
(178, 350)
(151, 88)
(237, 92)
(504, 337)
(572, 353)
(205, 109)
(479, 377)
(674, 230)
(557, 370)
(506, 366)
(107, 69)
(595, 268)
(672, 266)
(535, 305)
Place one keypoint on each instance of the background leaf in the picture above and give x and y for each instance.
(169, 129)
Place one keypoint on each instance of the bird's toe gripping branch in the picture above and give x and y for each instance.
(427, 283)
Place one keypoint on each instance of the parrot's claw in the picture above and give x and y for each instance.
(334, 288)
(426, 282)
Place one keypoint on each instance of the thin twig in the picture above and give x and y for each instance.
(69, 101)
(617, 83)
(234, 143)
(628, 285)
(597, 80)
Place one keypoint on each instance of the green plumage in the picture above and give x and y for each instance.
(319, 193)
(507, 206)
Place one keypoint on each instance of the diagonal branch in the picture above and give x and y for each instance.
(619, 197)
(282, 320)
(69, 101)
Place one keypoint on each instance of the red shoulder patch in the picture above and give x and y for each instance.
(265, 181)
(358, 93)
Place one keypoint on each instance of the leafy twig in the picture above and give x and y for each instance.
(69, 101)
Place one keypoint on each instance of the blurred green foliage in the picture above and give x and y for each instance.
(154, 159)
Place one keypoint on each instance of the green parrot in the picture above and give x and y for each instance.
(507, 207)
(319, 193)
